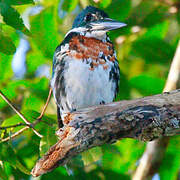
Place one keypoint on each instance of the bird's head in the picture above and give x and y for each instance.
(93, 22)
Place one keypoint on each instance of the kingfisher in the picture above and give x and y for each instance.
(85, 68)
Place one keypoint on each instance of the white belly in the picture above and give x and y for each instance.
(85, 87)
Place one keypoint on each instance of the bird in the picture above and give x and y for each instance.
(85, 67)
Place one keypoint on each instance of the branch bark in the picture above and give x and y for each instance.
(144, 119)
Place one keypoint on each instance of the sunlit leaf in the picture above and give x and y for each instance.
(11, 89)
(5, 70)
(159, 30)
(147, 84)
(44, 32)
(34, 60)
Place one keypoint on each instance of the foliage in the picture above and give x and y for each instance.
(145, 49)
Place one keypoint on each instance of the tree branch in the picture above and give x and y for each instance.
(144, 119)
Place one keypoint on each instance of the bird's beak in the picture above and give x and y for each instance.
(106, 24)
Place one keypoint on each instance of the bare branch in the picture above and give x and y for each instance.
(45, 106)
(144, 119)
(174, 72)
(19, 114)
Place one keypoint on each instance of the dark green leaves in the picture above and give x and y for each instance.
(12, 18)
(119, 9)
(19, 2)
(2, 174)
(152, 47)
(148, 13)
(153, 50)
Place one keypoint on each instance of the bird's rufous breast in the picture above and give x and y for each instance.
(87, 47)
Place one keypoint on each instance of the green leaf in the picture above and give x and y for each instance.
(105, 3)
(38, 93)
(11, 89)
(32, 115)
(44, 30)
(49, 139)
(5, 70)
(8, 154)
(6, 45)
(153, 49)
(119, 9)
(147, 84)
(32, 63)
(158, 15)
(159, 30)
(122, 156)
(12, 18)
(69, 5)
(170, 164)
(19, 2)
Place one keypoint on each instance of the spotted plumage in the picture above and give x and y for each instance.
(85, 68)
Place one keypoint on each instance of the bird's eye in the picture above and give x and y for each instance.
(88, 17)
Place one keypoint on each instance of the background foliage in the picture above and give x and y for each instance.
(145, 49)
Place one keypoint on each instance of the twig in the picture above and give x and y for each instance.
(20, 114)
(14, 109)
(15, 134)
(45, 106)
(155, 150)
(144, 119)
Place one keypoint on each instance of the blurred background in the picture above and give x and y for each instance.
(145, 49)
